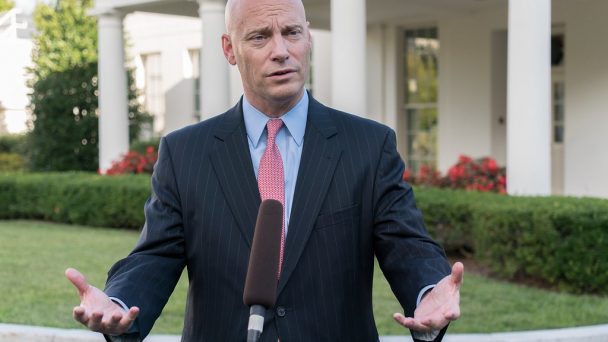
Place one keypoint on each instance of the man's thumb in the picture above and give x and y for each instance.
(77, 279)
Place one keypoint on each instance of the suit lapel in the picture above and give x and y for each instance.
(320, 156)
(234, 170)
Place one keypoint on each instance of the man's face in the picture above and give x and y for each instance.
(270, 43)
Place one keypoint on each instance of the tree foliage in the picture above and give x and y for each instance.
(64, 101)
(6, 5)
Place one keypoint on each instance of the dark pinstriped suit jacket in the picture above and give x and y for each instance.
(349, 204)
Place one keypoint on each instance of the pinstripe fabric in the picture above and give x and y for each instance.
(349, 205)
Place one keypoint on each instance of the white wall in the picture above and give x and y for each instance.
(465, 85)
(586, 86)
(171, 36)
(376, 49)
(498, 100)
(15, 56)
(321, 61)
(382, 74)
(470, 86)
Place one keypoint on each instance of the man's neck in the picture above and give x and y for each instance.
(273, 108)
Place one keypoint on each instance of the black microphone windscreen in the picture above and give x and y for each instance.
(262, 273)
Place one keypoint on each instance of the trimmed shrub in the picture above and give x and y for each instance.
(13, 143)
(448, 215)
(79, 198)
(560, 241)
(11, 162)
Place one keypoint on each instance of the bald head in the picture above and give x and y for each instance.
(270, 43)
(236, 8)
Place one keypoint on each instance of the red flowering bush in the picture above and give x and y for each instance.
(481, 174)
(427, 175)
(134, 162)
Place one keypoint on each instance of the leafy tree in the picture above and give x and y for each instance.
(64, 101)
(6, 5)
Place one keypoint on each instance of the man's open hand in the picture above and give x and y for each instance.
(438, 307)
(96, 310)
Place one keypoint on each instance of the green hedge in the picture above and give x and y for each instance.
(72, 197)
(561, 241)
(11, 162)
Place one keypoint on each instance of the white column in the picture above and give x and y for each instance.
(112, 81)
(348, 34)
(528, 98)
(215, 76)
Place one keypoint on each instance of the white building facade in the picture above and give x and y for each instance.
(521, 81)
(15, 57)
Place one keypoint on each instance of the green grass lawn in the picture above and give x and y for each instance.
(34, 255)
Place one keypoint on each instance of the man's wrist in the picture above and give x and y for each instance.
(132, 334)
(121, 303)
(428, 335)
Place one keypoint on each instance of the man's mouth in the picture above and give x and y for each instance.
(282, 72)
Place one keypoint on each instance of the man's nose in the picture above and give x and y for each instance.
(280, 51)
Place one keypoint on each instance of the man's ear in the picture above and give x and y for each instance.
(309, 33)
(228, 49)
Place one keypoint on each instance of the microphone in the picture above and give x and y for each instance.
(262, 272)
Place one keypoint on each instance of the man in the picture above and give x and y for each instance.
(339, 178)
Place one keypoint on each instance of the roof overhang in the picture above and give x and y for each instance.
(319, 11)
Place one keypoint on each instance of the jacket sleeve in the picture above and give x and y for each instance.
(147, 277)
(408, 257)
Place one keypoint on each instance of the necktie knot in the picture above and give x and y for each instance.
(273, 126)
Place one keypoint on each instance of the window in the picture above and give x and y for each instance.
(154, 97)
(195, 63)
(557, 87)
(558, 112)
(420, 96)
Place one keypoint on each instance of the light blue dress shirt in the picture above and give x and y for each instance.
(290, 141)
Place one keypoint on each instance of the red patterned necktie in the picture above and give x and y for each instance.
(271, 181)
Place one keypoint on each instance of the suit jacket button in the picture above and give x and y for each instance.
(280, 311)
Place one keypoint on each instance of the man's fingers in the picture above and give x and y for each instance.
(129, 317)
(94, 322)
(410, 323)
(111, 325)
(77, 279)
(457, 273)
(452, 315)
(434, 322)
(80, 315)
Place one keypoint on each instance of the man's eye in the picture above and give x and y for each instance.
(294, 32)
(258, 38)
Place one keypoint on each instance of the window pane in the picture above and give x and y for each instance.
(558, 112)
(422, 136)
(420, 95)
(558, 134)
(154, 97)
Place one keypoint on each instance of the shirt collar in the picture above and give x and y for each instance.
(294, 120)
